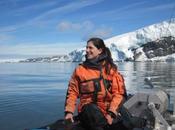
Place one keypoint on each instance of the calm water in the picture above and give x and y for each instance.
(32, 94)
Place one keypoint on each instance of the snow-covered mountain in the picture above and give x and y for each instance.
(58, 58)
(144, 44)
(126, 46)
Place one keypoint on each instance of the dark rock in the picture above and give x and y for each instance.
(161, 47)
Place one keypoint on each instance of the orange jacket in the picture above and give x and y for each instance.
(81, 86)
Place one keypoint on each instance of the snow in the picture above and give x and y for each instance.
(10, 60)
(128, 41)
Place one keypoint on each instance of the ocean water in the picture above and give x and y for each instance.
(33, 94)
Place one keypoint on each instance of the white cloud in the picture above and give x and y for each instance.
(64, 26)
(68, 8)
(86, 29)
(160, 7)
(118, 12)
(103, 32)
(129, 11)
(9, 28)
(51, 13)
(69, 26)
(5, 37)
(34, 7)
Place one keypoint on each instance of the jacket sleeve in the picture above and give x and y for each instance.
(118, 91)
(72, 93)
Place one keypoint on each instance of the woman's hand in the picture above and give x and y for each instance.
(69, 116)
(109, 119)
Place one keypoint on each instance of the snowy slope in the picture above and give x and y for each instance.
(126, 42)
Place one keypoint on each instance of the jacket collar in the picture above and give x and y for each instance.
(95, 63)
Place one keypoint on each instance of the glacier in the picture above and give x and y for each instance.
(122, 46)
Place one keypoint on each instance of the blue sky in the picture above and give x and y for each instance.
(51, 27)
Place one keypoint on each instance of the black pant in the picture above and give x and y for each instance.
(92, 118)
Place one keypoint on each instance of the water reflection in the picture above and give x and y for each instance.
(37, 90)
(161, 74)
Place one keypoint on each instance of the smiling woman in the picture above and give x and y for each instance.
(99, 86)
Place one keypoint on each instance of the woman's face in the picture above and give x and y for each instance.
(92, 51)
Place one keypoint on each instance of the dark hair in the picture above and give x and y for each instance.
(99, 43)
